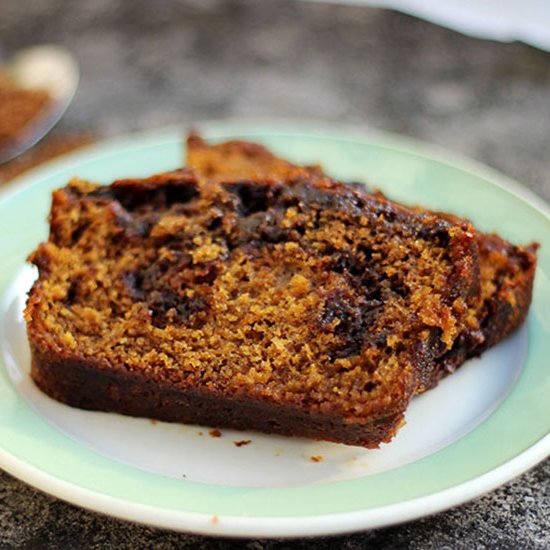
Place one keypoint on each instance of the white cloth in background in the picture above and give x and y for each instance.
(502, 20)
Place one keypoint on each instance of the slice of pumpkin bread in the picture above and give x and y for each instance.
(289, 304)
(507, 271)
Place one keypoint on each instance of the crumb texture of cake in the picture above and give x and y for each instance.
(246, 292)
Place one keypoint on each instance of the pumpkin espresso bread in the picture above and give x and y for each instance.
(246, 292)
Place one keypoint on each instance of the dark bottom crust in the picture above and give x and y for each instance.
(85, 385)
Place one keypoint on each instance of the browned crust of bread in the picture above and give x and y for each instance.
(502, 309)
(88, 384)
(507, 307)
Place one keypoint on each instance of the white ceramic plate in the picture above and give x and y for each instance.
(487, 423)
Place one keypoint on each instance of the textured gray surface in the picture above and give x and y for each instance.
(146, 64)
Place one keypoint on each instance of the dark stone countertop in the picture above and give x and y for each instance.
(147, 64)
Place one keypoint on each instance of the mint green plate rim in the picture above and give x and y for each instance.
(511, 440)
